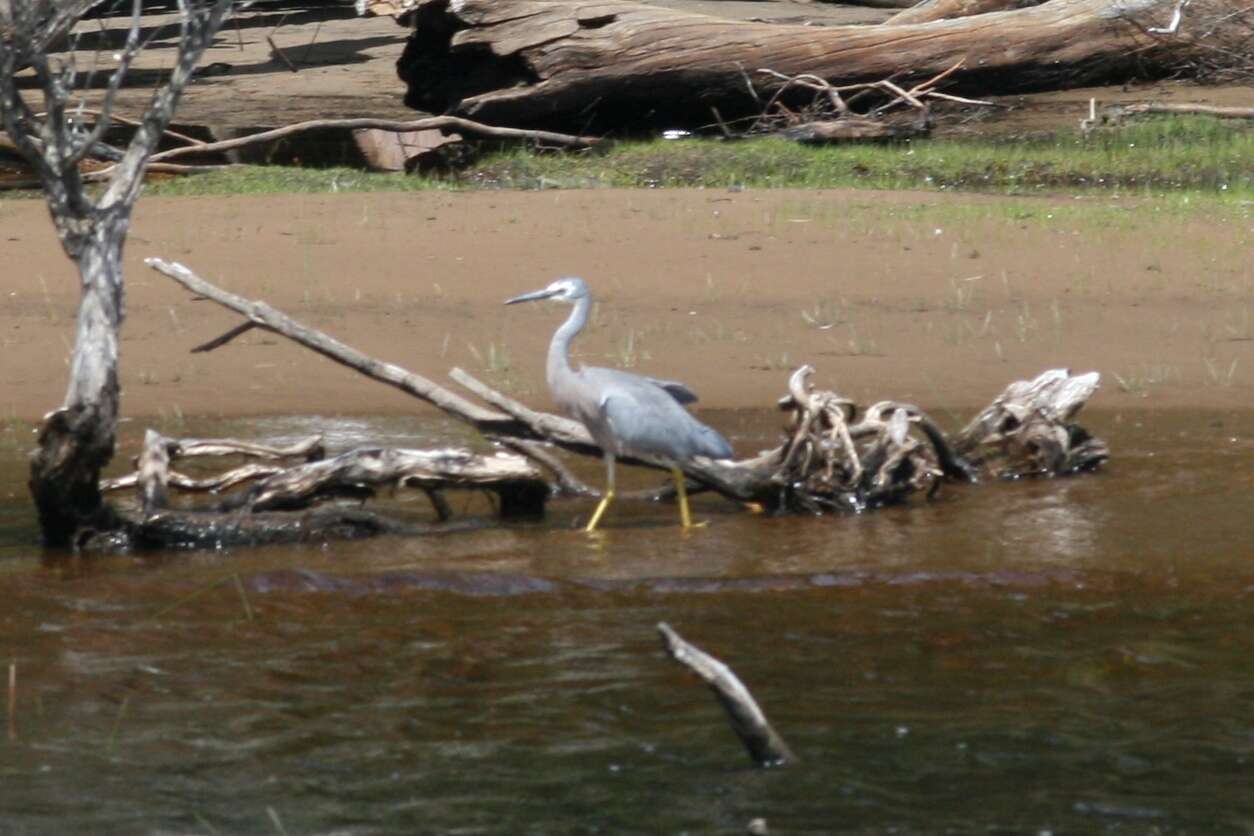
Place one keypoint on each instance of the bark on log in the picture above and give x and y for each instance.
(612, 64)
(930, 10)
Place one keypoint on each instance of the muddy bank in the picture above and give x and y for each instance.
(932, 298)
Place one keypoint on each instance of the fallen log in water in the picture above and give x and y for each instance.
(618, 64)
(243, 518)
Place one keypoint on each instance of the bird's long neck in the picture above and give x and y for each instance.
(559, 349)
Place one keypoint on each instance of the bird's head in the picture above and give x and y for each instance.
(569, 290)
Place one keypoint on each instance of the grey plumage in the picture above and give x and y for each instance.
(625, 413)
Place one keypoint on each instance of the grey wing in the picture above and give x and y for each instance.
(678, 391)
(648, 421)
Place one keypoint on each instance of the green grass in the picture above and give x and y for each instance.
(1160, 155)
(1198, 156)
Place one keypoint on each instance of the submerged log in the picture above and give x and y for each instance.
(612, 63)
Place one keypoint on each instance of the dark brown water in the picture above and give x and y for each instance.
(1058, 656)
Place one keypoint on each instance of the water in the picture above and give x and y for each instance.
(1063, 656)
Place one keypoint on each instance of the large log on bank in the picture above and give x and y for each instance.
(607, 64)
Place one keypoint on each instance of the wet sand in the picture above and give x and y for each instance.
(931, 298)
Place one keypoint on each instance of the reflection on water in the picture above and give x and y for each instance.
(1064, 656)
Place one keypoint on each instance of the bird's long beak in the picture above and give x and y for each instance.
(532, 297)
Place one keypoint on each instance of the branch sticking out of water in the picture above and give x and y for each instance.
(748, 721)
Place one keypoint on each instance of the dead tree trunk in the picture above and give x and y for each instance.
(77, 440)
(614, 64)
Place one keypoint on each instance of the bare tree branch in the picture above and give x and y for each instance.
(449, 123)
(748, 721)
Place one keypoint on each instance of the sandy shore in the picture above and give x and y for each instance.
(936, 299)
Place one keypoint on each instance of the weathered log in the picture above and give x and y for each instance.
(619, 64)
(930, 10)
(748, 721)
(353, 473)
(359, 473)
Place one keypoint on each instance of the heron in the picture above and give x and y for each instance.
(625, 413)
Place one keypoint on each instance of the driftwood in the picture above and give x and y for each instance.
(830, 459)
(1029, 429)
(763, 743)
(620, 64)
(277, 486)
(829, 117)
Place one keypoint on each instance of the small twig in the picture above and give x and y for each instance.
(939, 77)
(749, 84)
(304, 58)
(932, 94)
(274, 48)
(1176, 18)
(718, 117)
(13, 700)
(764, 745)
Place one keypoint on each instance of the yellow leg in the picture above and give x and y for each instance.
(681, 488)
(607, 497)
